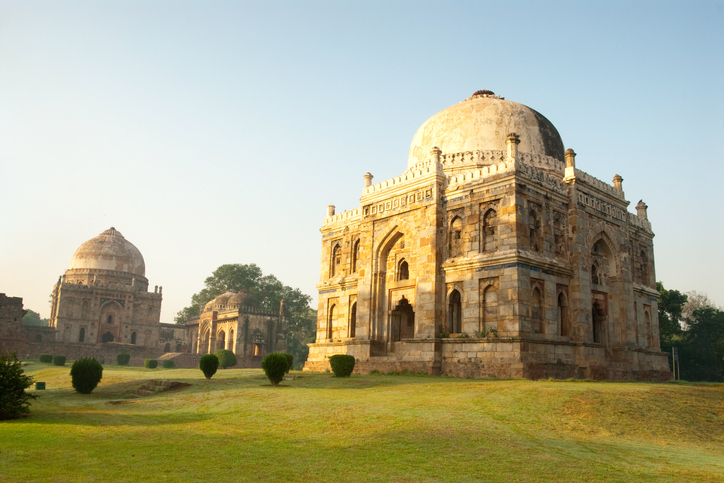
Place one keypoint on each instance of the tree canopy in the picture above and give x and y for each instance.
(695, 326)
(33, 318)
(269, 291)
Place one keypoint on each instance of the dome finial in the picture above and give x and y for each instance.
(112, 231)
(483, 93)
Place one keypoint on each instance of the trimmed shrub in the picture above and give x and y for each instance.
(168, 364)
(226, 358)
(150, 363)
(46, 358)
(85, 374)
(208, 365)
(59, 360)
(342, 365)
(123, 358)
(275, 366)
(290, 362)
(14, 401)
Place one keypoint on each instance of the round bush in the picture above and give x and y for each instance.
(46, 357)
(168, 364)
(85, 374)
(208, 365)
(290, 361)
(226, 358)
(150, 363)
(123, 358)
(342, 365)
(59, 360)
(275, 366)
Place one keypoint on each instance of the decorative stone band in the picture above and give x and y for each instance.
(639, 222)
(600, 185)
(244, 309)
(425, 168)
(345, 216)
(481, 158)
(531, 172)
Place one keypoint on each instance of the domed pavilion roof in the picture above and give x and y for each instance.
(109, 251)
(244, 299)
(483, 122)
(231, 298)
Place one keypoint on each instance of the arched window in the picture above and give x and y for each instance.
(167, 347)
(454, 318)
(402, 321)
(336, 260)
(81, 335)
(563, 320)
(558, 234)
(536, 310)
(534, 231)
(330, 320)
(490, 308)
(221, 340)
(355, 257)
(594, 275)
(602, 258)
(403, 272)
(644, 272)
(231, 340)
(456, 237)
(109, 320)
(353, 320)
(133, 337)
(66, 334)
(490, 227)
(204, 349)
(598, 313)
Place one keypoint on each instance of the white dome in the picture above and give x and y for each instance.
(483, 122)
(109, 251)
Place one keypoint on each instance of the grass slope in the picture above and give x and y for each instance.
(236, 427)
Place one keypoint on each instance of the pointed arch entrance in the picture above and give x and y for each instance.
(402, 321)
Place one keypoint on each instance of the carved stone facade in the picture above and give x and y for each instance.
(486, 260)
(236, 322)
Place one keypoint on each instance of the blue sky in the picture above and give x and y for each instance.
(217, 132)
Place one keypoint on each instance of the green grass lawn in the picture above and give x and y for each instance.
(317, 428)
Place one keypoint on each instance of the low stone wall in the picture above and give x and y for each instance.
(181, 360)
(502, 358)
(105, 353)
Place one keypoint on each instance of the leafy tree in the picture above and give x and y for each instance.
(695, 326)
(695, 300)
(33, 318)
(701, 350)
(269, 291)
(14, 401)
(671, 306)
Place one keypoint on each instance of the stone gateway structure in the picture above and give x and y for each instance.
(493, 255)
